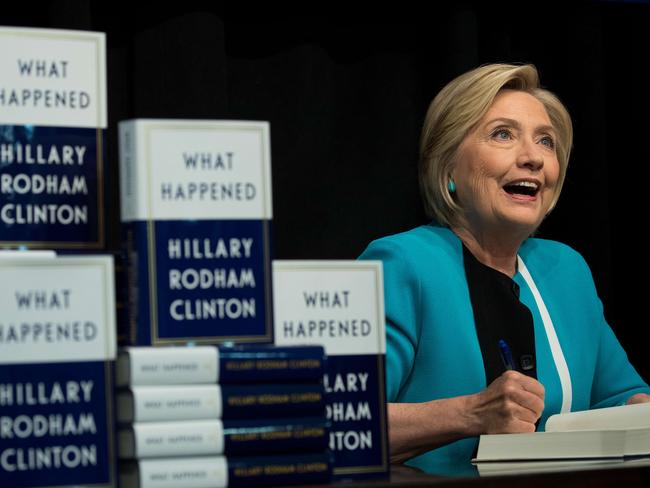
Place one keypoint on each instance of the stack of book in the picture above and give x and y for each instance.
(222, 416)
(57, 313)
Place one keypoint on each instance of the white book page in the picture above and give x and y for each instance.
(623, 417)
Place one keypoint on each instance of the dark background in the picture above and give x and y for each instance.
(346, 95)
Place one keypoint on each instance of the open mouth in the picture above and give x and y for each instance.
(526, 188)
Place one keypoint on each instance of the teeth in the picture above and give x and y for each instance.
(528, 184)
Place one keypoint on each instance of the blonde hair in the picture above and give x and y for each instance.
(459, 106)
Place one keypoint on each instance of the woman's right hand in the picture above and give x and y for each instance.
(512, 403)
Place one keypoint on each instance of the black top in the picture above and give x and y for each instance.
(499, 314)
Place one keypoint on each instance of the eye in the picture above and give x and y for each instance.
(548, 141)
(502, 134)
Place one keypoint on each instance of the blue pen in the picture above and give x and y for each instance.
(506, 355)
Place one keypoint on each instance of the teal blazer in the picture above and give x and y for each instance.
(432, 350)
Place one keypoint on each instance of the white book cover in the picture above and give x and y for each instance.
(53, 77)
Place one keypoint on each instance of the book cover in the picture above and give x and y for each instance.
(227, 472)
(196, 209)
(229, 437)
(339, 304)
(245, 401)
(57, 347)
(52, 121)
(250, 363)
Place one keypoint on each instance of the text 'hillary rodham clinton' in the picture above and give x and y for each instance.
(44, 187)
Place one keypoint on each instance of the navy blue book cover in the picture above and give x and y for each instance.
(198, 281)
(57, 350)
(51, 187)
(356, 408)
(52, 121)
(57, 424)
(196, 213)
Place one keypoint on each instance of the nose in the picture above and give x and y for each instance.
(530, 156)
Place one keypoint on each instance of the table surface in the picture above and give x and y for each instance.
(593, 474)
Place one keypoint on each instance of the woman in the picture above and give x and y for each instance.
(471, 288)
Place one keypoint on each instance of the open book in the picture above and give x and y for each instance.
(607, 433)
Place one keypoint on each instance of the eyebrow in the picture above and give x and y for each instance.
(517, 125)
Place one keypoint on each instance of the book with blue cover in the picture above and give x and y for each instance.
(339, 304)
(248, 363)
(57, 352)
(227, 471)
(52, 122)
(196, 212)
(228, 401)
(229, 437)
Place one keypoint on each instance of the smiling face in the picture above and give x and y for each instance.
(506, 169)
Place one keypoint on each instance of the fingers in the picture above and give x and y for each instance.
(526, 382)
(512, 403)
(638, 398)
(515, 426)
(527, 394)
(515, 410)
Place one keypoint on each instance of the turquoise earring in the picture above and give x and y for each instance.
(451, 186)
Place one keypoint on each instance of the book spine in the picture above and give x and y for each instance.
(292, 469)
(252, 364)
(308, 434)
(134, 281)
(211, 437)
(185, 472)
(128, 170)
(222, 472)
(140, 366)
(197, 365)
(169, 403)
(272, 400)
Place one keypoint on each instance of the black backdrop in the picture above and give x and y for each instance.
(346, 95)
